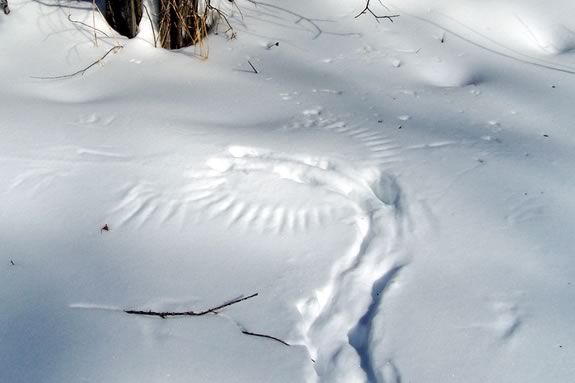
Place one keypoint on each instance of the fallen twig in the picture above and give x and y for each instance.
(265, 336)
(84, 70)
(166, 314)
(253, 67)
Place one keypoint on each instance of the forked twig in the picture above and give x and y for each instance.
(166, 314)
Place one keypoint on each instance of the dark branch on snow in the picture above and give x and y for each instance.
(166, 314)
(253, 67)
(265, 336)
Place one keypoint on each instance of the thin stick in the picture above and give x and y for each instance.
(253, 67)
(81, 71)
(265, 336)
(166, 314)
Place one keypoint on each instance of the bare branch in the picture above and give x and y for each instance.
(166, 314)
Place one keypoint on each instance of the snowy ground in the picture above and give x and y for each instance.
(399, 195)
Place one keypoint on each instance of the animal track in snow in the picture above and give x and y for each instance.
(506, 320)
(358, 280)
(277, 192)
(248, 187)
(34, 180)
(259, 188)
(333, 318)
(337, 176)
(329, 136)
(164, 200)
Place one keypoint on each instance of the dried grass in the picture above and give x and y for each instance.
(183, 23)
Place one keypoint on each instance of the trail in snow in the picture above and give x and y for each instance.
(336, 321)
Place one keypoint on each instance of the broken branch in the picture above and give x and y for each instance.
(265, 336)
(166, 314)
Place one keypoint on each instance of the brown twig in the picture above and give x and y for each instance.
(81, 71)
(166, 314)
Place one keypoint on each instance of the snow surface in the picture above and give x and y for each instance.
(399, 194)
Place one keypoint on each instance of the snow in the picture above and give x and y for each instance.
(398, 194)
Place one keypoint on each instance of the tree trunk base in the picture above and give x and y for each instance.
(124, 16)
